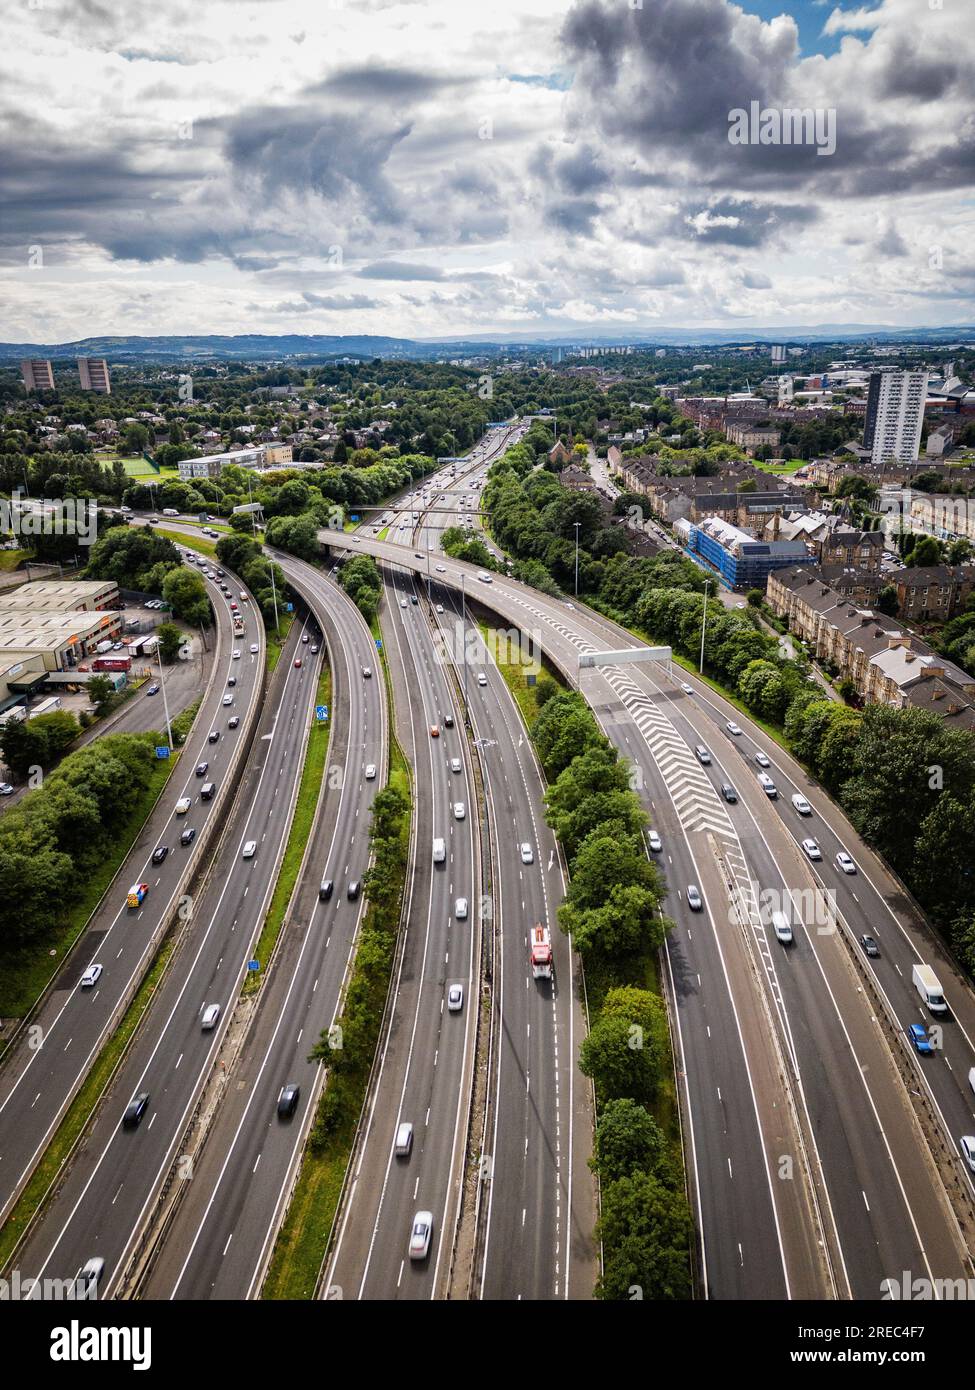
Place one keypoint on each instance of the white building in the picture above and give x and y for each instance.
(895, 414)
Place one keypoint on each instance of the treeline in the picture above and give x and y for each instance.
(613, 911)
(62, 832)
(361, 580)
(349, 1046)
(138, 558)
(244, 556)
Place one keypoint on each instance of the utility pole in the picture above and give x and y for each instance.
(274, 596)
(463, 633)
(162, 682)
(577, 524)
(704, 619)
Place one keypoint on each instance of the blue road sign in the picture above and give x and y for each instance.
(162, 752)
(253, 965)
(353, 517)
(379, 643)
(321, 712)
(289, 608)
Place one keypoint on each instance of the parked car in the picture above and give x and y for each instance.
(6, 789)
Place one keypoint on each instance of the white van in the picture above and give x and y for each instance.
(439, 851)
(782, 928)
(170, 511)
(183, 805)
(404, 1139)
(768, 786)
(210, 1015)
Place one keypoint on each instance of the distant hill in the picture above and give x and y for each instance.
(246, 345)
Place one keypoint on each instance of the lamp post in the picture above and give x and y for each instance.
(704, 619)
(577, 524)
(162, 682)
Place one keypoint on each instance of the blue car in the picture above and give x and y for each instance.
(919, 1037)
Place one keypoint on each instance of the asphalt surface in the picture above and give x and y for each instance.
(37, 1083)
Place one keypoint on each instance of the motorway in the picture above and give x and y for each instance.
(220, 1243)
(110, 1189)
(48, 1062)
(864, 1186)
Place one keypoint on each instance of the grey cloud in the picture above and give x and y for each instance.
(400, 270)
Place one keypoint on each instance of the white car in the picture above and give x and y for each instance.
(420, 1233)
(812, 849)
(687, 689)
(228, 699)
(527, 853)
(968, 1149)
(249, 850)
(460, 810)
(6, 789)
(654, 841)
(762, 760)
(455, 764)
(441, 569)
(802, 805)
(733, 728)
(370, 772)
(402, 602)
(481, 678)
(460, 909)
(845, 862)
(236, 654)
(91, 976)
(254, 649)
(439, 607)
(455, 998)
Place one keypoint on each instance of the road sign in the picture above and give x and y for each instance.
(321, 713)
(253, 965)
(353, 517)
(162, 752)
(379, 643)
(289, 608)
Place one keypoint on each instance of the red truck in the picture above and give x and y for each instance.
(112, 663)
(540, 954)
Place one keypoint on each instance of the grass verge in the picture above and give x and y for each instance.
(276, 640)
(23, 980)
(81, 1109)
(316, 757)
(205, 547)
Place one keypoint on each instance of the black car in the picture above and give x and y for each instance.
(448, 721)
(233, 721)
(870, 945)
(325, 890)
(158, 855)
(214, 736)
(135, 1110)
(729, 793)
(414, 599)
(201, 769)
(352, 892)
(288, 1101)
(232, 680)
(188, 836)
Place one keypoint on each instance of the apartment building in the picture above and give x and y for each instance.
(93, 372)
(739, 557)
(37, 374)
(932, 593)
(894, 415)
(750, 436)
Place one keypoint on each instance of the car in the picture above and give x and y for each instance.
(89, 1277)
(135, 1110)
(183, 805)
(702, 755)
(305, 638)
(403, 603)
(918, 1035)
(762, 760)
(213, 736)
(733, 728)
(687, 689)
(228, 699)
(455, 765)
(201, 769)
(314, 649)
(254, 649)
(6, 789)
(297, 663)
(460, 810)
(812, 849)
(233, 721)
(188, 836)
(455, 998)
(208, 1019)
(235, 654)
(420, 1233)
(481, 678)
(968, 1149)
(370, 772)
(729, 793)
(288, 1098)
(159, 854)
(404, 1139)
(414, 599)
(869, 945)
(153, 689)
(91, 976)
(249, 850)
(527, 853)
(694, 900)
(654, 841)
(367, 673)
(448, 721)
(353, 890)
(460, 909)
(434, 730)
(325, 889)
(802, 805)
(845, 862)
(441, 569)
(439, 607)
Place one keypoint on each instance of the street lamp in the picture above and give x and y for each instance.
(162, 682)
(704, 619)
(577, 524)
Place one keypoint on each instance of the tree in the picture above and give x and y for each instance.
(628, 924)
(171, 639)
(755, 597)
(646, 1231)
(183, 589)
(101, 692)
(627, 1049)
(37, 742)
(627, 1139)
(563, 729)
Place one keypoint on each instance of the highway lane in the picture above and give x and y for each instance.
(567, 630)
(221, 1240)
(44, 1069)
(426, 1058)
(103, 1201)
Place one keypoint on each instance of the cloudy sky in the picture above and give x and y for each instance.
(434, 167)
